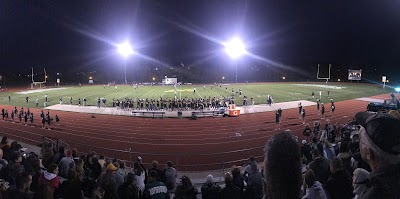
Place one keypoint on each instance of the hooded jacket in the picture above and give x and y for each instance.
(384, 183)
(315, 192)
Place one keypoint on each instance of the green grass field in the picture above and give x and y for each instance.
(281, 92)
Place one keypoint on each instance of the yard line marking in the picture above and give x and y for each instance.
(147, 93)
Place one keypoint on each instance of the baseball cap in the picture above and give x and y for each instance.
(111, 167)
(383, 129)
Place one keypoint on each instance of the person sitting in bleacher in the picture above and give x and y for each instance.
(230, 191)
(210, 189)
(282, 167)
(186, 190)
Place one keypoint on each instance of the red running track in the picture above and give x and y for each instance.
(203, 144)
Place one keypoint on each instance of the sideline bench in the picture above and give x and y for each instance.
(207, 113)
(153, 113)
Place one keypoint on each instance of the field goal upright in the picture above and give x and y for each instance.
(324, 78)
(35, 85)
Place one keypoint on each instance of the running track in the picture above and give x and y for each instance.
(194, 145)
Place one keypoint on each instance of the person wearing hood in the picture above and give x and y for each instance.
(48, 182)
(360, 181)
(313, 188)
(380, 148)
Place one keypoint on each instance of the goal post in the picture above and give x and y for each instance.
(324, 78)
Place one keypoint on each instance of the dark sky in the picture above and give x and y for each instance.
(78, 35)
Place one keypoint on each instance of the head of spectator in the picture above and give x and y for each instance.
(16, 157)
(235, 171)
(336, 164)
(186, 182)
(139, 160)
(4, 140)
(360, 180)
(327, 144)
(304, 142)
(52, 168)
(154, 164)
(394, 113)
(130, 178)
(68, 154)
(61, 150)
(23, 182)
(314, 140)
(74, 152)
(210, 179)
(228, 178)
(111, 168)
(344, 147)
(282, 167)
(379, 139)
(72, 175)
(169, 164)
(153, 176)
(121, 165)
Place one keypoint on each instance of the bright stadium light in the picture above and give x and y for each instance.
(125, 49)
(397, 89)
(235, 48)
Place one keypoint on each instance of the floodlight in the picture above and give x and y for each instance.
(125, 49)
(235, 47)
(397, 89)
(154, 78)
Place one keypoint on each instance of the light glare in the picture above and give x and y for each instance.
(235, 48)
(125, 49)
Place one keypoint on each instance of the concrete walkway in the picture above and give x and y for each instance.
(116, 111)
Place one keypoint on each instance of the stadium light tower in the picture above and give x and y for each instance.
(125, 49)
(235, 48)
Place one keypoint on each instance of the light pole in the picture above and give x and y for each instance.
(125, 50)
(235, 48)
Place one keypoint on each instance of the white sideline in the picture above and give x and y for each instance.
(39, 90)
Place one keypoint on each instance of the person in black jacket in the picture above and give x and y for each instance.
(230, 191)
(339, 184)
(186, 190)
(210, 189)
(128, 190)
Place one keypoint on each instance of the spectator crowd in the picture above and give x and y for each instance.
(360, 159)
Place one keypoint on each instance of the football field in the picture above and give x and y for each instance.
(280, 92)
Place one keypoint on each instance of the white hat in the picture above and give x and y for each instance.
(304, 142)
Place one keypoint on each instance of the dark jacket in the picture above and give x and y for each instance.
(320, 166)
(72, 189)
(185, 193)
(210, 191)
(306, 152)
(384, 183)
(230, 192)
(128, 191)
(339, 185)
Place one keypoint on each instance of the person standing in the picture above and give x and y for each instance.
(79, 102)
(60, 100)
(45, 96)
(98, 102)
(312, 94)
(84, 101)
(37, 102)
(27, 99)
(9, 98)
(333, 109)
(300, 109)
(320, 94)
(303, 115)
(277, 120)
(328, 93)
(322, 110)
(70, 101)
(31, 118)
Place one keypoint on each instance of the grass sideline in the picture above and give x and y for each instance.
(281, 92)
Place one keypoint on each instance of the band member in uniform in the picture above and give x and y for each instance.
(37, 102)
(277, 120)
(333, 109)
(70, 101)
(79, 102)
(303, 115)
(43, 122)
(84, 101)
(98, 102)
(27, 99)
(300, 108)
(6, 114)
(2, 113)
(328, 93)
(9, 98)
(31, 118)
(318, 103)
(12, 116)
(312, 94)
(322, 110)
(57, 119)
(26, 118)
(60, 100)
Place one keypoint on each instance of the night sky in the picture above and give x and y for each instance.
(80, 36)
